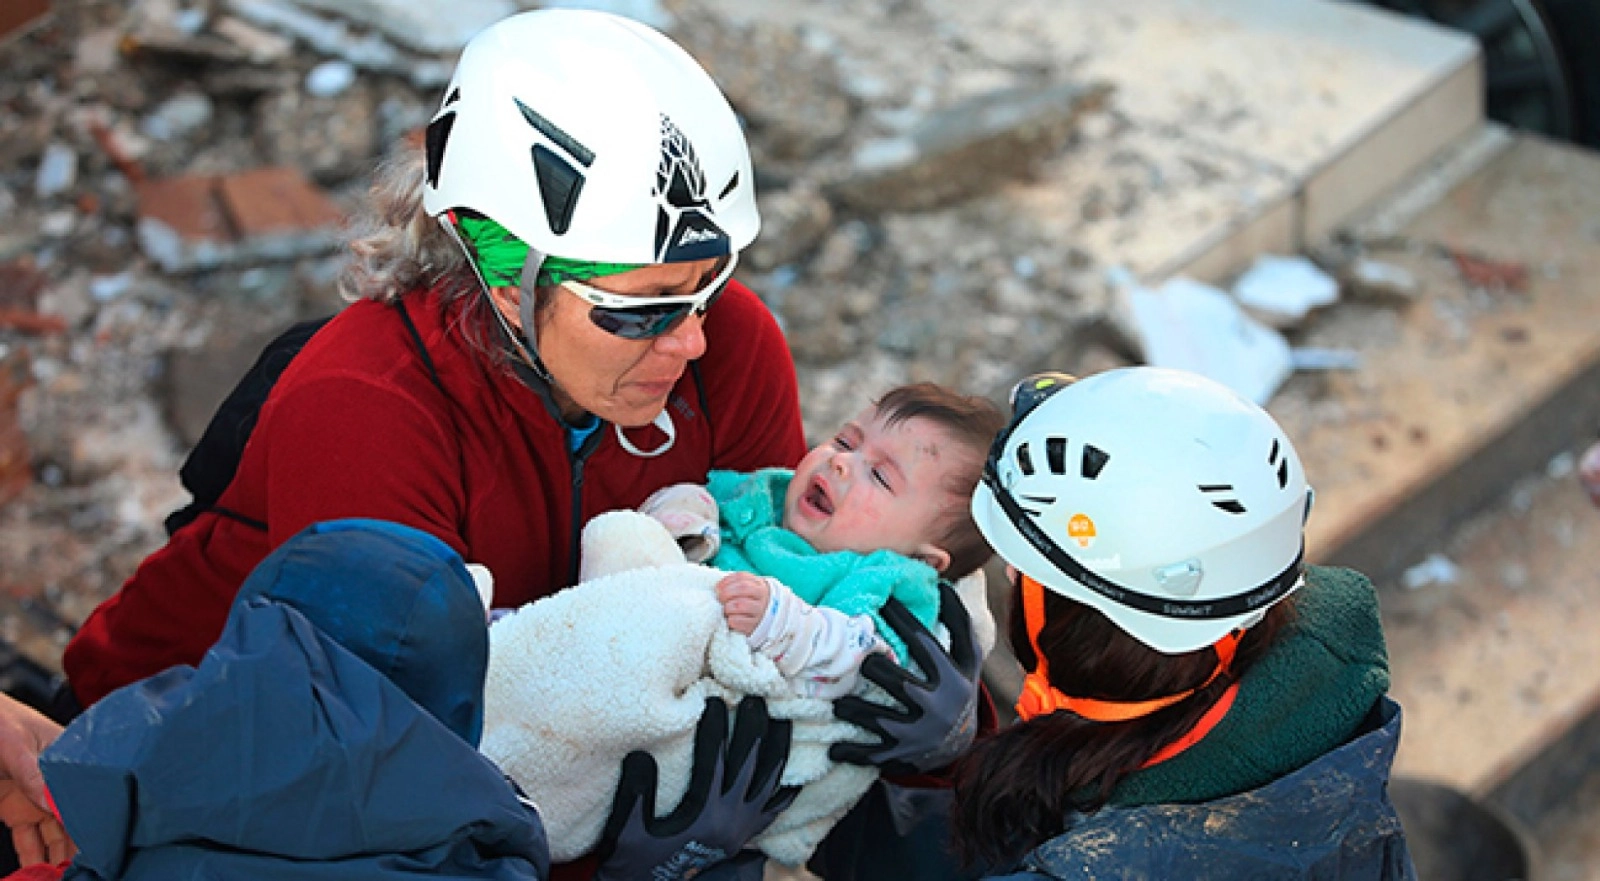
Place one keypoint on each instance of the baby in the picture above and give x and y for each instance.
(880, 510)
(800, 563)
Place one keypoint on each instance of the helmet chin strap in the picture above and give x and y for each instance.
(529, 346)
(524, 340)
(662, 421)
(527, 340)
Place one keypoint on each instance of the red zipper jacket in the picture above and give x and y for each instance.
(356, 427)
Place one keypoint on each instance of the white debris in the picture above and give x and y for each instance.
(263, 47)
(1192, 326)
(110, 287)
(366, 51)
(330, 78)
(883, 153)
(1437, 569)
(1374, 278)
(1324, 359)
(189, 21)
(178, 116)
(649, 12)
(161, 243)
(97, 51)
(327, 37)
(425, 27)
(59, 224)
(58, 171)
(1561, 465)
(1281, 290)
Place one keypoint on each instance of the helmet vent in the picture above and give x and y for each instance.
(1055, 452)
(1025, 460)
(561, 139)
(434, 139)
(1274, 458)
(1230, 505)
(455, 95)
(1041, 501)
(1094, 459)
(733, 183)
(559, 186)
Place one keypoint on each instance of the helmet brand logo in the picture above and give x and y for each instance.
(692, 236)
(684, 228)
(1081, 530)
(1102, 563)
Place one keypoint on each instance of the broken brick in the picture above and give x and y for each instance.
(1486, 273)
(107, 139)
(16, 471)
(20, 284)
(28, 321)
(201, 222)
(187, 205)
(15, 15)
(275, 201)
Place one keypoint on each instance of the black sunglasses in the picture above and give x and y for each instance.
(645, 318)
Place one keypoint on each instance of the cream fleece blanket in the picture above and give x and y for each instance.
(624, 661)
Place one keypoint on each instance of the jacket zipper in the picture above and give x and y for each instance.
(578, 458)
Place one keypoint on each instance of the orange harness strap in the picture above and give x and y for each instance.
(1200, 729)
(1040, 698)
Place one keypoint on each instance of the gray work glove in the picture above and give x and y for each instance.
(937, 716)
(733, 794)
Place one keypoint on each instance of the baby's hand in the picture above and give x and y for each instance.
(744, 597)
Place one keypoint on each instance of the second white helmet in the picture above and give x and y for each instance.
(1164, 500)
(592, 137)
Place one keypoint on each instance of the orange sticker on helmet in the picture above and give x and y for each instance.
(1081, 529)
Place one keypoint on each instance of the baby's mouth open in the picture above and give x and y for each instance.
(816, 498)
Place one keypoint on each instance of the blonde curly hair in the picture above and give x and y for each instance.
(396, 247)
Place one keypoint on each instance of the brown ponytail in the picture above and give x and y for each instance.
(1014, 790)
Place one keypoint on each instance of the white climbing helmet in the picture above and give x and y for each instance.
(593, 137)
(1161, 498)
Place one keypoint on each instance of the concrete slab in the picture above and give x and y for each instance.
(1335, 102)
(1236, 126)
(1158, 202)
(1392, 150)
(1285, 82)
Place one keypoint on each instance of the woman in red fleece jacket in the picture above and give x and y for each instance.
(532, 342)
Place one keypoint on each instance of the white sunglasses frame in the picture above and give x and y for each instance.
(697, 300)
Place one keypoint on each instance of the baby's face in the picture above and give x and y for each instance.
(875, 487)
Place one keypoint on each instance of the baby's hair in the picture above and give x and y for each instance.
(972, 421)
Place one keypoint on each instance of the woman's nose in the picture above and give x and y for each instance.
(687, 340)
